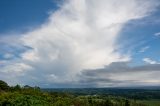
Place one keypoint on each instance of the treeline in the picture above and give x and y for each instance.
(34, 96)
(138, 94)
(5, 87)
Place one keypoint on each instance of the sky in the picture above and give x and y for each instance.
(80, 43)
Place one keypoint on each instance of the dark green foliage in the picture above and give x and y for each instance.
(32, 97)
(17, 87)
(127, 103)
(27, 87)
(3, 85)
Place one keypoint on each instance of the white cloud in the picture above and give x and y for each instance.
(80, 35)
(150, 61)
(157, 34)
(144, 49)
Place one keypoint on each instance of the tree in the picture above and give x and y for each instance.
(108, 102)
(17, 87)
(127, 103)
(27, 87)
(3, 85)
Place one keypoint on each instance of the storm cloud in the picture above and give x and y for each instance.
(77, 46)
(122, 74)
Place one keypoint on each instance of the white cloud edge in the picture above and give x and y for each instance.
(157, 34)
(143, 49)
(150, 61)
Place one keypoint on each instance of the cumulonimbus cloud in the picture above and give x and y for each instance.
(80, 35)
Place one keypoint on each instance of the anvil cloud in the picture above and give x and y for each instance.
(80, 35)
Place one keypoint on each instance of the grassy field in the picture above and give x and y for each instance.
(150, 102)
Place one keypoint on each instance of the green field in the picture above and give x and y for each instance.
(150, 102)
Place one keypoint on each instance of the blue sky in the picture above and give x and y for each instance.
(143, 33)
(80, 43)
(19, 15)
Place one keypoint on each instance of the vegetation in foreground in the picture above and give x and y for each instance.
(34, 96)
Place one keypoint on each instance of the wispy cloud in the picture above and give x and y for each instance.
(157, 34)
(144, 49)
(150, 61)
(80, 35)
(8, 56)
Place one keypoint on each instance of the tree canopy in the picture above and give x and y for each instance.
(3, 85)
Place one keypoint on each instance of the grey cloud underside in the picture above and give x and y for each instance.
(124, 67)
(121, 74)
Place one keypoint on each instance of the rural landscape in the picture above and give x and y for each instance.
(35, 96)
(79, 52)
